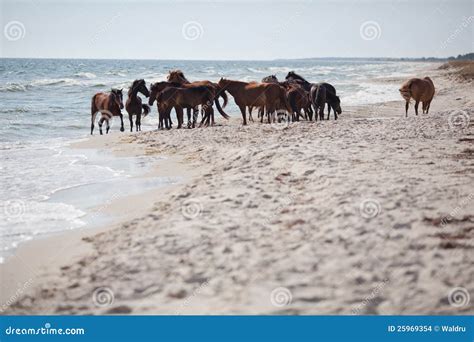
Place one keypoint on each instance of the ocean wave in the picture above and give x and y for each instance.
(88, 75)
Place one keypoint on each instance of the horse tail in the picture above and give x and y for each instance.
(292, 100)
(146, 109)
(224, 96)
(94, 111)
(284, 100)
(405, 90)
(219, 108)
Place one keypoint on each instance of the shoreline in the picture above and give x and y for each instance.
(42, 250)
(233, 169)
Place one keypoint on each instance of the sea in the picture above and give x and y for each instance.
(48, 187)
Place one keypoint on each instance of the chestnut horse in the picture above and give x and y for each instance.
(134, 104)
(109, 105)
(268, 95)
(419, 89)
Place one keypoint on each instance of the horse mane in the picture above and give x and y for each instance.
(295, 75)
(180, 74)
(134, 85)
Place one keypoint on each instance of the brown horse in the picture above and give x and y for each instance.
(179, 98)
(268, 95)
(177, 76)
(108, 104)
(419, 89)
(134, 104)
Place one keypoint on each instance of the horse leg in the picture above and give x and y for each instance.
(406, 108)
(428, 106)
(416, 107)
(121, 123)
(107, 122)
(329, 111)
(130, 118)
(179, 114)
(93, 116)
(138, 122)
(195, 115)
(101, 121)
(188, 111)
(244, 117)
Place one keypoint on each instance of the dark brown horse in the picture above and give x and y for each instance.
(320, 95)
(109, 105)
(189, 97)
(177, 76)
(330, 92)
(268, 95)
(134, 104)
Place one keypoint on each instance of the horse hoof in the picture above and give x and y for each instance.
(122, 129)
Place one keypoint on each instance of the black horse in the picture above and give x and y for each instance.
(319, 96)
(270, 79)
(332, 99)
(134, 104)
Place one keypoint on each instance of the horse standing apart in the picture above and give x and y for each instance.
(419, 89)
(109, 105)
(134, 104)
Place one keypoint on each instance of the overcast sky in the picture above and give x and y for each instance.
(236, 29)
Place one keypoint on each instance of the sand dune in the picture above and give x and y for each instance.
(370, 214)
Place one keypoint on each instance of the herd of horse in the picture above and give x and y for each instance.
(290, 100)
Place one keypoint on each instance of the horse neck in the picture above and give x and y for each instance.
(132, 92)
(232, 86)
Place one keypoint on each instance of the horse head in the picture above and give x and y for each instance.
(177, 76)
(140, 86)
(118, 97)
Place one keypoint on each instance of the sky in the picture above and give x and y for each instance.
(235, 30)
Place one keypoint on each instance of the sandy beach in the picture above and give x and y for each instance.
(369, 214)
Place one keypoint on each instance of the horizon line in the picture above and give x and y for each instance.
(245, 60)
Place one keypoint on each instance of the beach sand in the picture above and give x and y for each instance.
(369, 214)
